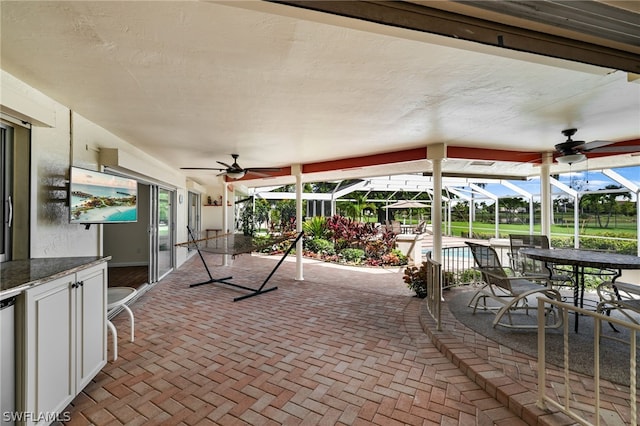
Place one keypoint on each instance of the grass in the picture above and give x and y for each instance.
(622, 230)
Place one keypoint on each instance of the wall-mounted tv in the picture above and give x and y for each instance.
(96, 197)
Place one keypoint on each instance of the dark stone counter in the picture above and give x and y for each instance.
(19, 275)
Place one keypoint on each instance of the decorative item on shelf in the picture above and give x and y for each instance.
(220, 200)
(209, 200)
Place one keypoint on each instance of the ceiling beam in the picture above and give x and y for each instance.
(422, 18)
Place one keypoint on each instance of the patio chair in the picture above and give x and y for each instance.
(509, 291)
(621, 297)
(556, 276)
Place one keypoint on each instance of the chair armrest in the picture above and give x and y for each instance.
(512, 276)
(615, 291)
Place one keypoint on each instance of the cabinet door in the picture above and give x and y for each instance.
(91, 324)
(49, 373)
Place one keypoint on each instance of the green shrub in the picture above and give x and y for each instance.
(352, 255)
(470, 276)
(320, 245)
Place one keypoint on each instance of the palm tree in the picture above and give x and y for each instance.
(356, 207)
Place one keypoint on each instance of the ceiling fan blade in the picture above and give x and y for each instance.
(263, 169)
(260, 174)
(590, 146)
(612, 148)
(224, 164)
(200, 168)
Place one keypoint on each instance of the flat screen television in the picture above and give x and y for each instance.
(96, 197)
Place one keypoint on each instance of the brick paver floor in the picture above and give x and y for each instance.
(344, 346)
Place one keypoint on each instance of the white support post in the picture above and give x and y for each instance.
(545, 195)
(297, 170)
(225, 218)
(436, 153)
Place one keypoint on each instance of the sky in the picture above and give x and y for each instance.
(586, 180)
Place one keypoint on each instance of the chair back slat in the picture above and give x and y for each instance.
(526, 265)
(489, 265)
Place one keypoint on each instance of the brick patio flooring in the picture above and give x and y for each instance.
(345, 346)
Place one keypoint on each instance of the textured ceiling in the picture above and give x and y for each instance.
(192, 82)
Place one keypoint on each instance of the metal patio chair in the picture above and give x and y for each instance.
(510, 291)
(555, 276)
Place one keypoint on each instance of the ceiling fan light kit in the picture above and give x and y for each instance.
(234, 171)
(571, 158)
(236, 174)
(572, 151)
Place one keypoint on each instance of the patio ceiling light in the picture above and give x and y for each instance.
(236, 175)
(571, 158)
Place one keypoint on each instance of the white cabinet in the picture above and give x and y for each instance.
(63, 341)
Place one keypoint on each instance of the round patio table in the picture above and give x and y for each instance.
(581, 259)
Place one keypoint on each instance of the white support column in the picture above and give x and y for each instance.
(576, 220)
(472, 214)
(436, 153)
(496, 218)
(297, 170)
(225, 218)
(545, 195)
(532, 214)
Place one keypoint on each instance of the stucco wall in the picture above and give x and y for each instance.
(61, 138)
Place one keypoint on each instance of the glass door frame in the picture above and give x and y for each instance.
(156, 239)
(6, 191)
(193, 213)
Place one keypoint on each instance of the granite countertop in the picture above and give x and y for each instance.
(19, 275)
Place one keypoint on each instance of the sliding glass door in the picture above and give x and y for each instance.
(162, 232)
(6, 198)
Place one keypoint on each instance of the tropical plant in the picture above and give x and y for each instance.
(248, 220)
(287, 214)
(416, 279)
(316, 227)
(357, 206)
(394, 258)
(261, 211)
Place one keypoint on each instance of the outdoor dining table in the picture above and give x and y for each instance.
(581, 259)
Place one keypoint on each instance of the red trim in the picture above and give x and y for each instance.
(493, 154)
(421, 154)
(366, 160)
(632, 142)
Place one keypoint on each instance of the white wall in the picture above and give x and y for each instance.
(128, 243)
(61, 138)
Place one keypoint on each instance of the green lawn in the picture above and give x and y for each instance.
(622, 230)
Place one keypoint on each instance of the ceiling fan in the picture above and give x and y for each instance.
(234, 171)
(572, 151)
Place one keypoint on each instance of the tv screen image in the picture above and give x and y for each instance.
(96, 197)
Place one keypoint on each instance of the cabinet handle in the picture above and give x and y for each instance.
(10, 208)
(81, 283)
(74, 285)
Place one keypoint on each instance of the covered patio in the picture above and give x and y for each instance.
(345, 346)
